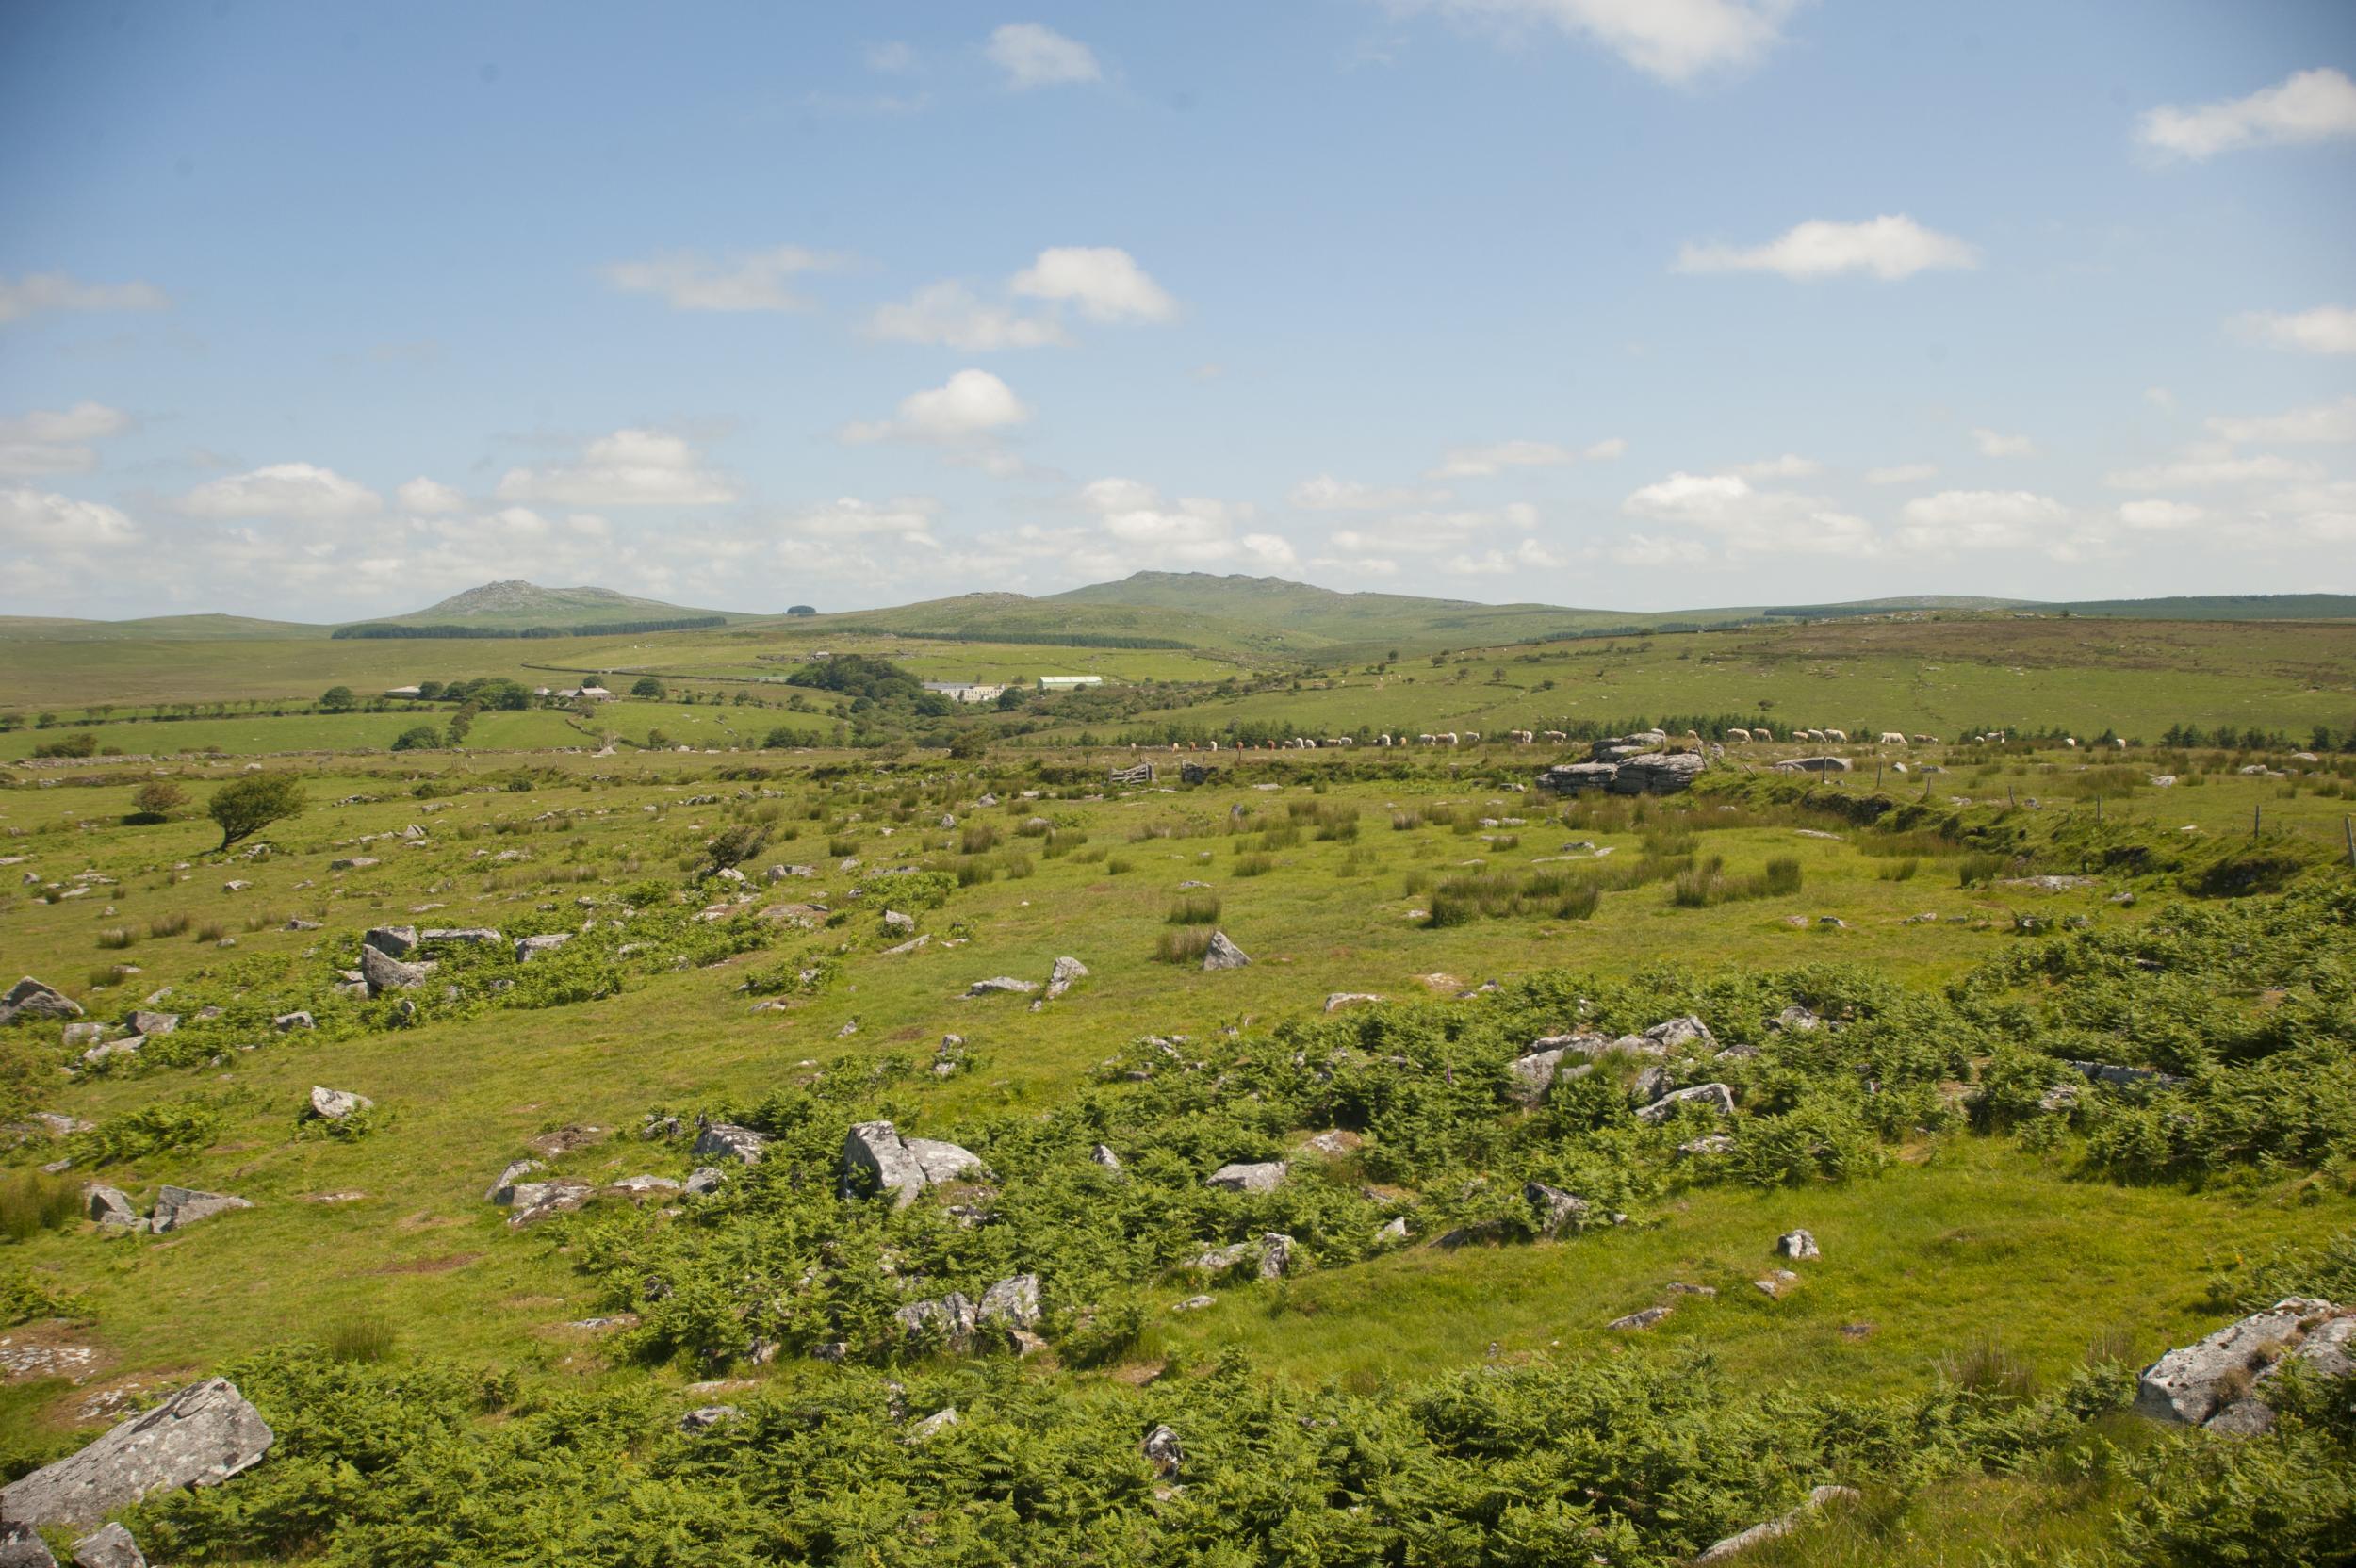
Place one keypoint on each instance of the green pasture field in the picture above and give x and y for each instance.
(1930, 677)
(1324, 876)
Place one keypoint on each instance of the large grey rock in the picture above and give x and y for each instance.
(145, 1022)
(2219, 1379)
(533, 1201)
(529, 948)
(111, 1547)
(1557, 1211)
(381, 972)
(177, 1207)
(877, 1159)
(1013, 1302)
(1678, 1033)
(394, 941)
(108, 1205)
(1799, 1246)
(725, 1140)
(1711, 1097)
(1223, 954)
(21, 1547)
(1001, 985)
(200, 1436)
(469, 935)
(337, 1104)
(503, 1190)
(1783, 1524)
(1068, 973)
(1533, 1075)
(1813, 764)
(1162, 1451)
(948, 1318)
(29, 998)
(1261, 1176)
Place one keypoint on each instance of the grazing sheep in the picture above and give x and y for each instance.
(1840, 735)
(1892, 738)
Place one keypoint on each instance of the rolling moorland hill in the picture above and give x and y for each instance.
(516, 605)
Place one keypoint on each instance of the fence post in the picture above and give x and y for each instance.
(2347, 825)
(2253, 823)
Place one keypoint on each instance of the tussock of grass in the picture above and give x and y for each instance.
(1194, 908)
(1184, 945)
(34, 1201)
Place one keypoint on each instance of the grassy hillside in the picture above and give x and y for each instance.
(151, 628)
(516, 605)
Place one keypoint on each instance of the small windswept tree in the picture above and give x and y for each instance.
(337, 699)
(156, 800)
(649, 688)
(244, 807)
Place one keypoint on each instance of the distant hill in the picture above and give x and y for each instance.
(2220, 607)
(183, 628)
(515, 607)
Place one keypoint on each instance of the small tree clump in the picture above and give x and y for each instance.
(246, 806)
(156, 800)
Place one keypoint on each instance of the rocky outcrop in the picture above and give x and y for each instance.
(1710, 1097)
(725, 1140)
(529, 948)
(1263, 1176)
(2220, 1383)
(179, 1207)
(877, 1159)
(503, 1190)
(108, 1205)
(29, 998)
(1001, 985)
(394, 941)
(1223, 954)
(381, 972)
(1556, 1210)
(1799, 1246)
(1628, 765)
(948, 1320)
(200, 1436)
(1012, 1303)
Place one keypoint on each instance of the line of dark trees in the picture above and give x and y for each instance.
(1033, 638)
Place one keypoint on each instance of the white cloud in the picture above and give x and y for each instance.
(1790, 466)
(754, 281)
(1430, 532)
(2203, 468)
(972, 405)
(52, 442)
(1996, 444)
(2324, 422)
(908, 520)
(2156, 515)
(630, 468)
(2305, 107)
(1890, 247)
(41, 291)
(1649, 549)
(1980, 520)
(428, 497)
(2325, 330)
(892, 58)
(1483, 461)
(1105, 283)
(298, 492)
(1671, 39)
(1748, 521)
(948, 315)
(1529, 555)
(1901, 473)
(1327, 494)
(59, 524)
(1032, 56)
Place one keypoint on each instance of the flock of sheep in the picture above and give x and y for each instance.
(1555, 736)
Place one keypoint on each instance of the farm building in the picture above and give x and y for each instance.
(965, 691)
(1068, 683)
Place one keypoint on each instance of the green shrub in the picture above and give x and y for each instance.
(34, 1201)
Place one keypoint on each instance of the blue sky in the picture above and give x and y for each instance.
(319, 311)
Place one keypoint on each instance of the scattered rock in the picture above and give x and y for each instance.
(394, 941)
(1339, 999)
(876, 1158)
(704, 1179)
(1644, 1319)
(529, 948)
(380, 971)
(1000, 984)
(503, 1190)
(1710, 1097)
(286, 1022)
(110, 1206)
(1779, 1283)
(1781, 1526)
(1223, 954)
(20, 1545)
(533, 1201)
(335, 1104)
(1012, 1303)
(939, 1421)
(200, 1436)
(1067, 973)
(176, 1207)
(1102, 1154)
(1558, 1211)
(111, 1548)
(707, 1417)
(1335, 1144)
(1194, 1303)
(143, 1022)
(1799, 1246)
(1162, 1451)
(1263, 1176)
(725, 1140)
(30, 998)
(2220, 1381)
